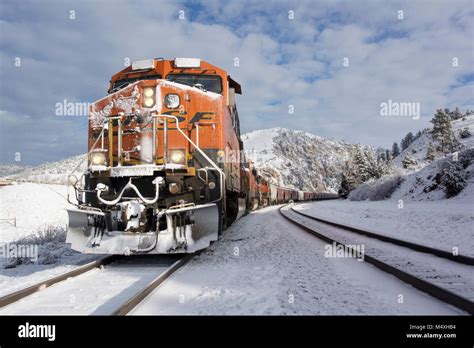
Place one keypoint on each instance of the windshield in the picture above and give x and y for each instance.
(211, 83)
(119, 84)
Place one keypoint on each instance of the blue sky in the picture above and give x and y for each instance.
(283, 62)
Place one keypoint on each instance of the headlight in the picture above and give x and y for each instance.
(98, 158)
(172, 101)
(148, 97)
(178, 157)
(148, 92)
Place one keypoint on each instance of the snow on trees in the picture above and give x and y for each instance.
(361, 161)
(348, 179)
(453, 177)
(431, 152)
(442, 131)
(409, 138)
(465, 133)
(364, 165)
(395, 150)
(456, 114)
(408, 161)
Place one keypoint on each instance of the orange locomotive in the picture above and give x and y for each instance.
(164, 161)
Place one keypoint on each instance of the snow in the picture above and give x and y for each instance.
(265, 265)
(464, 122)
(52, 173)
(417, 149)
(8, 169)
(454, 277)
(36, 207)
(286, 157)
(441, 224)
(97, 292)
(422, 182)
(14, 279)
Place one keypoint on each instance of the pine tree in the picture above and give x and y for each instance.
(362, 166)
(371, 165)
(456, 114)
(395, 150)
(348, 179)
(454, 177)
(431, 152)
(409, 138)
(388, 155)
(442, 131)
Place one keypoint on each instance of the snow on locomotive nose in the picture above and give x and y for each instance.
(156, 181)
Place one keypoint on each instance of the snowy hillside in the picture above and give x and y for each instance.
(298, 159)
(9, 169)
(427, 180)
(418, 148)
(49, 173)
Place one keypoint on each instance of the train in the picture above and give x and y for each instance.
(166, 168)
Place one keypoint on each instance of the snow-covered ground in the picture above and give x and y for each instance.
(36, 208)
(262, 265)
(265, 265)
(97, 292)
(443, 224)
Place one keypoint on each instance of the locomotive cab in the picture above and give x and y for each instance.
(158, 177)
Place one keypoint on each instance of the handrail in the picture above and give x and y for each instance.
(109, 120)
(211, 162)
(71, 174)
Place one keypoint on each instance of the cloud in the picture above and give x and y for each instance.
(283, 62)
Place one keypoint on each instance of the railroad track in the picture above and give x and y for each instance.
(418, 247)
(128, 279)
(425, 268)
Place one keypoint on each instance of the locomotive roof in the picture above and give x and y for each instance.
(163, 67)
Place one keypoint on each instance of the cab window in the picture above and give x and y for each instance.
(119, 84)
(211, 83)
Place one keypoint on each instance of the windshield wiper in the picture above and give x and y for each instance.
(126, 83)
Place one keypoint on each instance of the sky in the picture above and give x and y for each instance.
(333, 63)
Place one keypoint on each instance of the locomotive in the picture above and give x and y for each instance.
(166, 170)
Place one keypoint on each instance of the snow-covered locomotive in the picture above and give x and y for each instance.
(165, 171)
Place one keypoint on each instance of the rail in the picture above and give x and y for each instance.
(414, 246)
(421, 284)
(20, 294)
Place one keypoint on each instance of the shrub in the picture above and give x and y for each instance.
(465, 133)
(51, 244)
(453, 177)
(377, 190)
